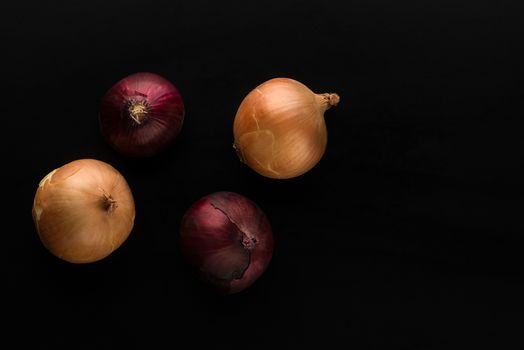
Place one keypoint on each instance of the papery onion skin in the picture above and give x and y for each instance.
(228, 239)
(279, 128)
(141, 114)
(83, 211)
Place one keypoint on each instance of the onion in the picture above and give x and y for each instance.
(279, 128)
(83, 210)
(141, 114)
(228, 239)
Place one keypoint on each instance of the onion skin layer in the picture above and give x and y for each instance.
(141, 114)
(228, 239)
(83, 211)
(279, 128)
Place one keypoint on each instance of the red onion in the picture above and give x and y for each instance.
(229, 240)
(141, 114)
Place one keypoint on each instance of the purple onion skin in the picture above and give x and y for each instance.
(228, 239)
(141, 114)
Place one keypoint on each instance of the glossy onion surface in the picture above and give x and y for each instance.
(279, 128)
(83, 210)
(228, 239)
(141, 114)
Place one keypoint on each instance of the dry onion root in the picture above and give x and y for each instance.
(83, 211)
(279, 128)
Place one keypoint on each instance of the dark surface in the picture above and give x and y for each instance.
(408, 233)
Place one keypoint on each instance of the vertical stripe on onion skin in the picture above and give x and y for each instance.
(227, 238)
(141, 115)
(279, 128)
(83, 211)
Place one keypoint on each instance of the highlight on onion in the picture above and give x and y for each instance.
(83, 210)
(279, 128)
(141, 114)
(228, 239)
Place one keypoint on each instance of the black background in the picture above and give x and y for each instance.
(408, 232)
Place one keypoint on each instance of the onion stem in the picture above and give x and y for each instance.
(109, 203)
(138, 111)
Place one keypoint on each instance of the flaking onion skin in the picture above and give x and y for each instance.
(83, 211)
(279, 128)
(228, 239)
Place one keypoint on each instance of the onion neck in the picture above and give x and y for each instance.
(108, 203)
(249, 243)
(138, 111)
(328, 100)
